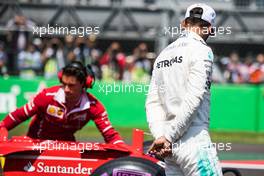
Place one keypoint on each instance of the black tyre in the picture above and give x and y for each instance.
(129, 166)
(231, 171)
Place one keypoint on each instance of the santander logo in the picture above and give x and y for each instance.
(29, 167)
(41, 167)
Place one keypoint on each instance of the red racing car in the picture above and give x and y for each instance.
(21, 155)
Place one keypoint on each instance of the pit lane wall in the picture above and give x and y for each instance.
(233, 107)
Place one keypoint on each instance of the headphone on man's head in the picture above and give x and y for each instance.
(87, 72)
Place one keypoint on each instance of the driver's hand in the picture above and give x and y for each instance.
(161, 147)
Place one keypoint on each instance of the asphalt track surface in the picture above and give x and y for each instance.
(247, 158)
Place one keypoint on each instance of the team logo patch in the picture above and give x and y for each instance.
(55, 111)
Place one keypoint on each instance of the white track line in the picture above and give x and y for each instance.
(243, 166)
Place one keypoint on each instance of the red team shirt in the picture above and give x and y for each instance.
(51, 119)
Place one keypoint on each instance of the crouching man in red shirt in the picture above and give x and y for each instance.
(59, 111)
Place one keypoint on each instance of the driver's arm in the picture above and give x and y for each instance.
(23, 113)
(155, 112)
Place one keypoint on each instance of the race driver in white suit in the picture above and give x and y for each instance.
(178, 102)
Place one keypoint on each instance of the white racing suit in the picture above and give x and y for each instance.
(178, 106)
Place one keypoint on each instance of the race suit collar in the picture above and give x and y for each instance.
(60, 96)
(84, 104)
(84, 101)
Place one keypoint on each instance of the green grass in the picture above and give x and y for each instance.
(90, 133)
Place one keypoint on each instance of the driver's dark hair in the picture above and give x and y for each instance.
(76, 69)
(195, 18)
